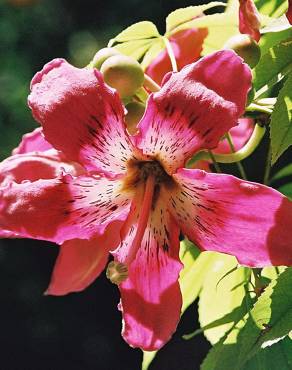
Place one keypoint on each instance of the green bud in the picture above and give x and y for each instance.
(102, 55)
(135, 113)
(123, 73)
(246, 47)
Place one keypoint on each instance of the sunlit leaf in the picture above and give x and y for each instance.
(220, 28)
(218, 299)
(268, 323)
(136, 48)
(277, 25)
(268, 40)
(152, 52)
(183, 15)
(273, 8)
(137, 31)
(281, 121)
(273, 66)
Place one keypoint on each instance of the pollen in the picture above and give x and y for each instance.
(116, 272)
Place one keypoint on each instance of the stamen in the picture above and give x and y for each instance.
(116, 272)
(143, 219)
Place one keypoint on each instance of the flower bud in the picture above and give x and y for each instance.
(102, 55)
(123, 73)
(246, 47)
(135, 113)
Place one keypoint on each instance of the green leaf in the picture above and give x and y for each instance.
(277, 25)
(268, 40)
(269, 321)
(135, 49)
(273, 66)
(279, 356)
(273, 8)
(183, 15)
(284, 172)
(286, 190)
(281, 121)
(220, 28)
(152, 52)
(217, 300)
(194, 273)
(138, 31)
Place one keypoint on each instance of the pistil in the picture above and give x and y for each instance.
(143, 219)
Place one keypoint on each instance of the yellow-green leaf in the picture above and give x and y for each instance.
(220, 297)
(137, 31)
(183, 15)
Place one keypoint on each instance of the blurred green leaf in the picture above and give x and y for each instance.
(284, 172)
(286, 190)
(281, 121)
(273, 8)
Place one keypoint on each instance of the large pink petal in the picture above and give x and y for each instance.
(222, 213)
(62, 209)
(194, 108)
(36, 165)
(239, 134)
(81, 116)
(81, 261)
(187, 46)
(150, 297)
(33, 141)
(249, 19)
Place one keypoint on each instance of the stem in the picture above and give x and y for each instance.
(216, 165)
(239, 164)
(259, 287)
(268, 166)
(170, 54)
(143, 219)
(150, 84)
(243, 153)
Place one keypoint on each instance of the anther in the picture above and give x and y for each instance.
(116, 272)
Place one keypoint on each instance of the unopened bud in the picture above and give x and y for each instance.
(135, 113)
(123, 73)
(102, 55)
(246, 47)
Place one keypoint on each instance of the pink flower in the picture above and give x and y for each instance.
(239, 134)
(249, 19)
(133, 196)
(187, 46)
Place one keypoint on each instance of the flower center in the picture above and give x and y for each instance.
(139, 171)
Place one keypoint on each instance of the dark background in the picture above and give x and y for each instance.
(79, 331)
